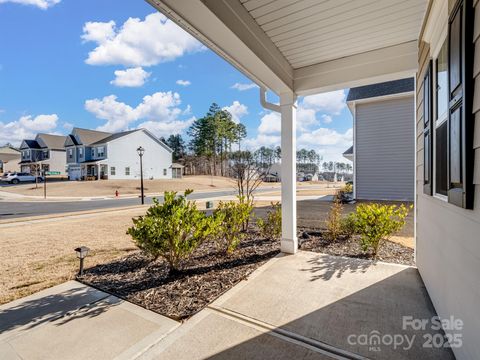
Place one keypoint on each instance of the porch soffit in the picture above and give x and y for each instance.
(307, 46)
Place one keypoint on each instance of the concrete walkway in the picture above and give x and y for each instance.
(307, 306)
(73, 321)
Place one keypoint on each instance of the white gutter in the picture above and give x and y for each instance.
(265, 103)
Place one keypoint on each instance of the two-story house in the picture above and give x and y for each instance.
(80, 163)
(97, 155)
(45, 152)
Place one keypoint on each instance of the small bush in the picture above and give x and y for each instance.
(347, 226)
(172, 230)
(231, 218)
(348, 188)
(376, 223)
(334, 221)
(271, 226)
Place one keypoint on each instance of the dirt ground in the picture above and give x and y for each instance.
(37, 255)
(124, 187)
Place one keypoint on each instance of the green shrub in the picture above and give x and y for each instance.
(231, 217)
(334, 221)
(172, 230)
(271, 226)
(348, 226)
(348, 188)
(376, 223)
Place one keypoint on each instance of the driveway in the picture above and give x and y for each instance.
(307, 306)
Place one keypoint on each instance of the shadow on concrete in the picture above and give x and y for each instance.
(326, 267)
(37, 311)
(364, 323)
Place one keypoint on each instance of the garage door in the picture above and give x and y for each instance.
(74, 172)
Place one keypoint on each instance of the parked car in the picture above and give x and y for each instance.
(15, 178)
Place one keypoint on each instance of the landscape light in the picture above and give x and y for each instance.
(82, 253)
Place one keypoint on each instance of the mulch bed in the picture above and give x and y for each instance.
(209, 273)
(312, 240)
(206, 276)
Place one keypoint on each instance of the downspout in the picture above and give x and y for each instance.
(265, 103)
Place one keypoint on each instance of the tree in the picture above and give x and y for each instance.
(213, 135)
(176, 143)
(248, 172)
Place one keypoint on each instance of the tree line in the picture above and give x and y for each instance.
(216, 141)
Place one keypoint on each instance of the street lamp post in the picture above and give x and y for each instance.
(140, 152)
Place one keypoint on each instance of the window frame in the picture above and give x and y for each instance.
(113, 171)
(443, 119)
(127, 172)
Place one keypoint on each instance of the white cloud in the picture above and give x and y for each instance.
(331, 102)
(327, 119)
(26, 127)
(237, 110)
(183, 82)
(134, 77)
(243, 87)
(270, 124)
(42, 4)
(262, 140)
(160, 113)
(138, 43)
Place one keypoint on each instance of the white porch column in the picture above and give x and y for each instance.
(288, 111)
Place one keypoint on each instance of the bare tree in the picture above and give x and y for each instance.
(248, 173)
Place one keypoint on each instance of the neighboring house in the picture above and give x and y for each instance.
(98, 155)
(10, 158)
(383, 151)
(78, 145)
(45, 152)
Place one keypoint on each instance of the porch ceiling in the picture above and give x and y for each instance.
(307, 46)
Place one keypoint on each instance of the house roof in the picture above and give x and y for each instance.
(114, 136)
(177, 166)
(53, 142)
(32, 144)
(381, 89)
(87, 136)
(349, 151)
(9, 150)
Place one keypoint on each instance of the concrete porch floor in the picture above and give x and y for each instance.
(307, 306)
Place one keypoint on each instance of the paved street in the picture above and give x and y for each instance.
(10, 209)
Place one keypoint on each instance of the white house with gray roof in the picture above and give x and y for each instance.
(383, 151)
(94, 155)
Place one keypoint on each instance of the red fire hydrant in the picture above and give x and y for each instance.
(116, 193)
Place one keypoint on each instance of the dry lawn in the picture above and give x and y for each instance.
(124, 187)
(39, 255)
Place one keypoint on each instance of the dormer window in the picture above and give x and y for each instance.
(80, 152)
(70, 153)
(100, 151)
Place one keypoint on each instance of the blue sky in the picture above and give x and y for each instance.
(116, 65)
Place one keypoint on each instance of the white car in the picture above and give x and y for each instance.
(15, 178)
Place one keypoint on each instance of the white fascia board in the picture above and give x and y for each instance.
(226, 27)
(383, 97)
(386, 64)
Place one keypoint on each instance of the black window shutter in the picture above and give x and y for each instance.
(460, 120)
(427, 132)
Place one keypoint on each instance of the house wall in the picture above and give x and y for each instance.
(448, 240)
(12, 165)
(385, 149)
(57, 161)
(122, 153)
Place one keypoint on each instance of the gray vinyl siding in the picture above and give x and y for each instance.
(385, 149)
(447, 241)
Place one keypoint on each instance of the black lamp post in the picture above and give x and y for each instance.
(140, 152)
(82, 253)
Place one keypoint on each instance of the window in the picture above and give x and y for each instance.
(164, 172)
(448, 86)
(93, 152)
(80, 152)
(127, 171)
(70, 153)
(441, 116)
(100, 151)
(112, 170)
